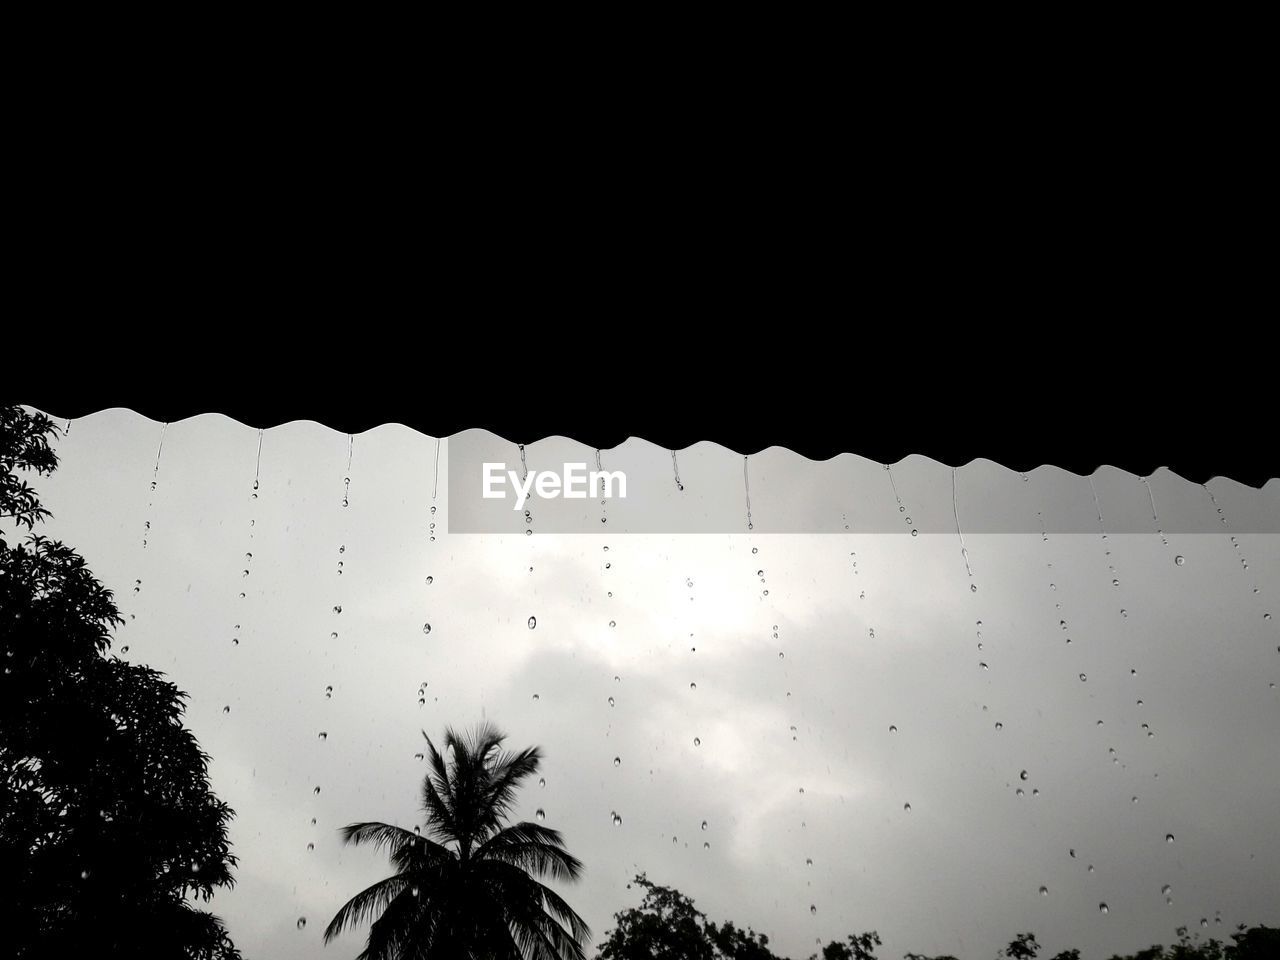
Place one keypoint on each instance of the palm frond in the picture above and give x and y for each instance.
(534, 848)
(364, 904)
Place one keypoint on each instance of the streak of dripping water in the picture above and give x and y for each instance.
(902, 507)
(1102, 532)
(346, 480)
(1154, 514)
(675, 465)
(955, 509)
(524, 467)
(603, 513)
(746, 482)
(253, 497)
(435, 483)
(1235, 542)
(435, 476)
(67, 429)
(155, 474)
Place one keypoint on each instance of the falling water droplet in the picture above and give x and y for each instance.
(316, 791)
(323, 735)
(426, 628)
(698, 742)
(1179, 560)
(617, 761)
(1103, 908)
(302, 922)
(1044, 891)
(1168, 838)
(533, 622)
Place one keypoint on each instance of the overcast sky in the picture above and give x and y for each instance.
(795, 691)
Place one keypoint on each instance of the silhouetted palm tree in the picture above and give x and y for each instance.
(467, 889)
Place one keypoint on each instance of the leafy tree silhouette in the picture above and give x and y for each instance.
(108, 826)
(667, 926)
(467, 890)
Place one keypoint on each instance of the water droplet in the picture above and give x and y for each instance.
(613, 623)
(611, 701)
(336, 609)
(697, 743)
(310, 847)
(1179, 560)
(542, 781)
(808, 862)
(536, 697)
(328, 693)
(906, 807)
(84, 874)
(533, 622)
(1166, 889)
(1044, 891)
(813, 908)
(892, 728)
(426, 628)
(617, 761)
(999, 725)
(1022, 775)
(973, 588)
(1168, 838)
(316, 791)
(323, 735)
(226, 709)
(617, 820)
(302, 922)
(1103, 908)
(1083, 678)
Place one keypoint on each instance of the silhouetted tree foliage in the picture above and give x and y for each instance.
(667, 926)
(108, 826)
(1255, 943)
(468, 889)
